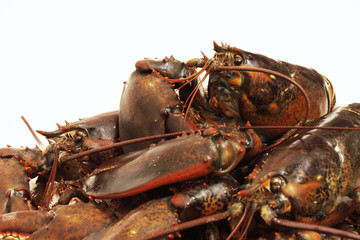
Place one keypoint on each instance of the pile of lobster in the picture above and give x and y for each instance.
(260, 153)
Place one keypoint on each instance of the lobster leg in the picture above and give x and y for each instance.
(14, 186)
(183, 158)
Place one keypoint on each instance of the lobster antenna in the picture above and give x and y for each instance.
(238, 225)
(45, 201)
(275, 221)
(41, 145)
(186, 225)
(301, 127)
(314, 227)
(124, 143)
(248, 222)
(193, 93)
(175, 134)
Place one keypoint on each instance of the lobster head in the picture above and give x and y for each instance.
(290, 183)
(228, 89)
(264, 91)
(85, 134)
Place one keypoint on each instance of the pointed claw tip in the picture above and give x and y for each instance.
(204, 56)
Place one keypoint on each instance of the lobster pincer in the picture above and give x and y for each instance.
(74, 221)
(153, 104)
(17, 166)
(216, 151)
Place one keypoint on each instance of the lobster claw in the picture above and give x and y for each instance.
(24, 222)
(74, 221)
(183, 158)
(149, 168)
(164, 114)
(17, 165)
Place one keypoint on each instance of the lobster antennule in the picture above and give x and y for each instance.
(45, 201)
(59, 131)
(314, 227)
(41, 145)
(50, 134)
(247, 217)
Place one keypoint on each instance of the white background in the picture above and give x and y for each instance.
(61, 60)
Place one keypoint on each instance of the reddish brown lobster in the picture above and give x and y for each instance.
(250, 104)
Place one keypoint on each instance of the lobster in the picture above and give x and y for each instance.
(311, 180)
(166, 97)
(228, 87)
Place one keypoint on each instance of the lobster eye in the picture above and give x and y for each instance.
(238, 60)
(79, 136)
(276, 183)
(23, 193)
